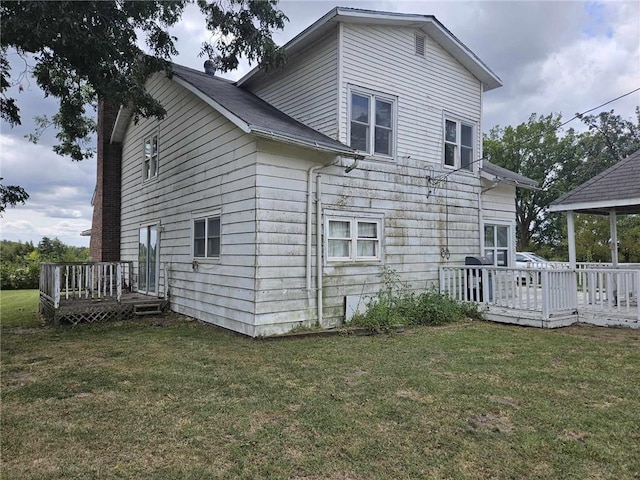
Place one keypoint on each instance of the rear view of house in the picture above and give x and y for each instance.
(274, 201)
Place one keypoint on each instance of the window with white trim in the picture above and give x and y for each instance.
(458, 144)
(372, 123)
(206, 237)
(353, 238)
(496, 244)
(150, 160)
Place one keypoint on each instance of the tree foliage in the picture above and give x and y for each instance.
(536, 150)
(82, 51)
(11, 195)
(610, 138)
(560, 162)
(20, 266)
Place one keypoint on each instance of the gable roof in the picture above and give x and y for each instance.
(617, 187)
(500, 174)
(247, 111)
(427, 23)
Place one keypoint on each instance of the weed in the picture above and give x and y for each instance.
(396, 305)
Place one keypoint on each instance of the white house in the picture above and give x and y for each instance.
(262, 205)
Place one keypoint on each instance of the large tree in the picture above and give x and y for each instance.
(81, 51)
(609, 139)
(537, 150)
(560, 162)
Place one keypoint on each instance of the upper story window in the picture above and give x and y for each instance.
(150, 161)
(206, 237)
(458, 144)
(372, 123)
(353, 238)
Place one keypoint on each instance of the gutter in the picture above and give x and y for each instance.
(278, 137)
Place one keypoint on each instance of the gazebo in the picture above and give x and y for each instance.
(612, 192)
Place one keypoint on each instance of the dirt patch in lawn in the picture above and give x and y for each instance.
(494, 422)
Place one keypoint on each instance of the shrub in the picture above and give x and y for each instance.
(397, 305)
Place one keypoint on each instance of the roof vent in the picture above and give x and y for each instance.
(210, 67)
(420, 44)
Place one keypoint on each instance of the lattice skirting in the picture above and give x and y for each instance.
(85, 313)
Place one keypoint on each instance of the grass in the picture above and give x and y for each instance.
(19, 308)
(171, 398)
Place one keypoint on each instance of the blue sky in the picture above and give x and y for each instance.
(551, 56)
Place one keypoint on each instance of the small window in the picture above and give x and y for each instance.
(353, 239)
(206, 237)
(371, 126)
(150, 162)
(458, 145)
(420, 44)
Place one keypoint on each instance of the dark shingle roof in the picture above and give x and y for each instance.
(503, 174)
(618, 186)
(260, 117)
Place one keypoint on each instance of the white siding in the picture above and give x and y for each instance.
(499, 202)
(415, 230)
(205, 164)
(383, 59)
(259, 285)
(420, 219)
(307, 88)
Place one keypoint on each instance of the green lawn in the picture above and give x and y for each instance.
(171, 398)
(19, 308)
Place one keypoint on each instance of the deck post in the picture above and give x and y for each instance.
(544, 280)
(119, 281)
(637, 294)
(56, 295)
(166, 281)
(571, 240)
(56, 286)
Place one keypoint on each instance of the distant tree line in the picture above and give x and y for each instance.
(20, 262)
(560, 161)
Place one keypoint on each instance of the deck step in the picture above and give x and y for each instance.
(149, 308)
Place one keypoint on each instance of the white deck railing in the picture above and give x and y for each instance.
(601, 289)
(545, 290)
(82, 281)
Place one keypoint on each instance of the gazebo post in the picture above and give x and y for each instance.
(571, 240)
(613, 226)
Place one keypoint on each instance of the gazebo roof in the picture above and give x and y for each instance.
(617, 187)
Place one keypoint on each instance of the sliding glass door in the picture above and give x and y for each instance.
(148, 260)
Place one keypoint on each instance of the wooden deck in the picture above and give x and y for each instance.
(89, 310)
(601, 313)
(92, 292)
(549, 297)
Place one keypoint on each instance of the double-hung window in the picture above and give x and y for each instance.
(206, 237)
(371, 123)
(353, 238)
(150, 161)
(496, 244)
(458, 144)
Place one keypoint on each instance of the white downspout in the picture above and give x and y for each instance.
(319, 245)
(310, 173)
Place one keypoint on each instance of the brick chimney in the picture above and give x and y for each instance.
(104, 245)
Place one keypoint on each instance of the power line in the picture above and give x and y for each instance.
(535, 137)
(578, 115)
